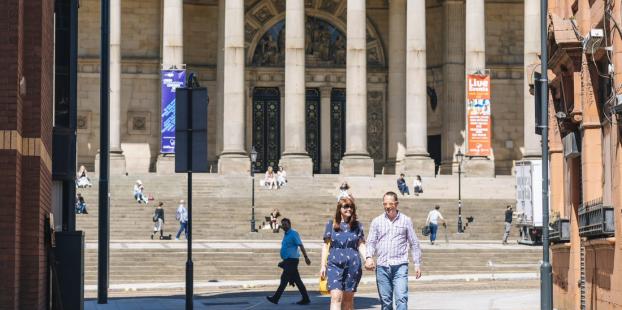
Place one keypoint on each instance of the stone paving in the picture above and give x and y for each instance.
(519, 299)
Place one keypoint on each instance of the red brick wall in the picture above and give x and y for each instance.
(26, 43)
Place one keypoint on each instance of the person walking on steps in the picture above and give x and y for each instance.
(433, 218)
(341, 263)
(508, 224)
(391, 238)
(158, 220)
(182, 216)
(290, 255)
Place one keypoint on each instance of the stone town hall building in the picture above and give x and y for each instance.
(320, 86)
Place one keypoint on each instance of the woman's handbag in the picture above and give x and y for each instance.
(425, 230)
(324, 281)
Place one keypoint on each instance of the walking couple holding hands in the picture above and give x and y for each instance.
(391, 238)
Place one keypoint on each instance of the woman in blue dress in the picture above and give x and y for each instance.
(343, 240)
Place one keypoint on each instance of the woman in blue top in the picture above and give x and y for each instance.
(342, 265)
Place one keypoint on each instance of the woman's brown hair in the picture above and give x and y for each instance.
(346, 201)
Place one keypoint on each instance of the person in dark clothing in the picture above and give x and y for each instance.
(80, 204)
(401, 185)
(290, 255)
(158, 219)
(508, 223)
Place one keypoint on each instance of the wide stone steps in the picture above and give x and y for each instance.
(168, 265)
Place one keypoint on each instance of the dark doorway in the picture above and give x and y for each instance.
(337, 127)
(434, 148)
(312, 127)
(267, 127)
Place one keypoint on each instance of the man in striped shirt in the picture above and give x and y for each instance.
(390, 238)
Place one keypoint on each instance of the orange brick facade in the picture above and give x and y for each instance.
(582, 92)
(26, 103)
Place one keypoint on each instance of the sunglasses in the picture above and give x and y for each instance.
(347, 207)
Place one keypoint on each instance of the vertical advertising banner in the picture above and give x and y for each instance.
(171, 80)
(478, 115)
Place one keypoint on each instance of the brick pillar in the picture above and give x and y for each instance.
(25, 146)
(11, 26)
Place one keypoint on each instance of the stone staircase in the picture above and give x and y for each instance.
(222, 206)
(222, 211)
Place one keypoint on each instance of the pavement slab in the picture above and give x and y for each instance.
(519, 299)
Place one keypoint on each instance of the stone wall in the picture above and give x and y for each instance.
(504, 56)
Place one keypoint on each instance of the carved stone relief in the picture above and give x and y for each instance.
(84, 121)
(139, 123)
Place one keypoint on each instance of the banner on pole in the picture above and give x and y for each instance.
(171, 80)
(478, 115)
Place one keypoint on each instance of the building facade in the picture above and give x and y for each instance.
(320, 86)
(26, 102)
(586, 152)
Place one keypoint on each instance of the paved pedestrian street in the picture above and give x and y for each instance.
(521, 299)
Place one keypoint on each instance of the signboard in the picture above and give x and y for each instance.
(171, 80)
(478, 115)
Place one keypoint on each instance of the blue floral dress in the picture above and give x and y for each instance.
(343, 266)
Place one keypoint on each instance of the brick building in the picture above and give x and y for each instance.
(26, 46)
(586, 78)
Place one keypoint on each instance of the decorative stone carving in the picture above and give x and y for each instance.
(375, 124)
(325, 37)
(325, 45)
(139, 123)
(84, 121)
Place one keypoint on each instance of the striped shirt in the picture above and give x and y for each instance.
(389, 241)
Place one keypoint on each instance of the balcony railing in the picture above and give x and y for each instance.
(560, 231)
(596, 220)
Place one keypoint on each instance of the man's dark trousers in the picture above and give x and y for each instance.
(290, 275)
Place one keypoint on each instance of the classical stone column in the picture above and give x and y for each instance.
(172, 36)
(234, 160)
(356, 161)
(396, 105)
(172, 58)
(475, 61)
(220, 66)
(295, 159)
(417, 161)
(117, 159)
(532, 147)
(452, 96)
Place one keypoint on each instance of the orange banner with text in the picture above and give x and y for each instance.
(478, 115)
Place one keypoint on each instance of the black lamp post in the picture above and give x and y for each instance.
(460, 158)
(253, 161)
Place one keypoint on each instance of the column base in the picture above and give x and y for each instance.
(356, 166)
(478, 167)
(165, 164)
(297, 165)
(234, 165)
(419, 165)
(116, 164)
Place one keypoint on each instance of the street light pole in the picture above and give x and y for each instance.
(460, 157)
(253, 160)
(546, 270)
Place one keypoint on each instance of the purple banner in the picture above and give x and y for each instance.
(171, 79)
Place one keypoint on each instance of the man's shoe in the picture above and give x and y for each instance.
(272, 300)
(304, 302)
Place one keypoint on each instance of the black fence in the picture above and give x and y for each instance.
(560, 231)
(596, 220)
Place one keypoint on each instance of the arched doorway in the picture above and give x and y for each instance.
(267, 127)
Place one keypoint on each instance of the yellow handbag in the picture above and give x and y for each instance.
(324, 281)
